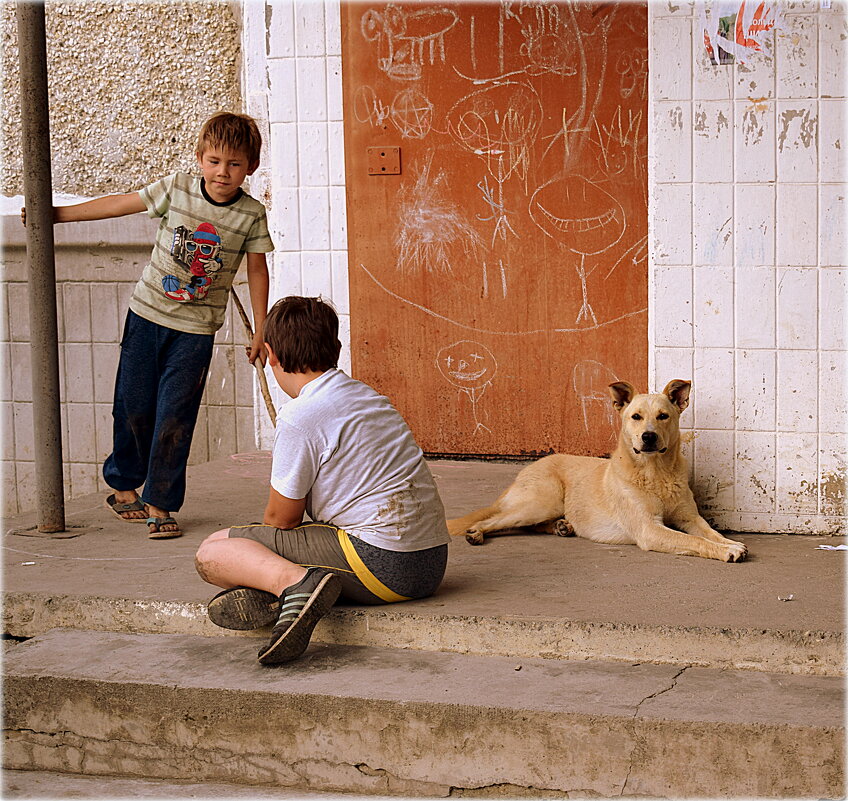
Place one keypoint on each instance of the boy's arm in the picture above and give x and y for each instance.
(257, 282)
(100, 208)
(283, 512)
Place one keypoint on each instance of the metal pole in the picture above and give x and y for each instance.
(41, 267)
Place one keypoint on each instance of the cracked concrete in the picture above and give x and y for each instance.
(31, 784)
(637, 744)
(406, 723)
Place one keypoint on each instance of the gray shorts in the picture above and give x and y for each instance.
(370, 575)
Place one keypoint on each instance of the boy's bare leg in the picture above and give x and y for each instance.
(130, 496)
(235, 562)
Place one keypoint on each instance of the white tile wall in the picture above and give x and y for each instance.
(766, 253)
(89, 354)
(713, 140)
(797, 141)
(302, 68)
(797, 224)
(833, 143)
(712, 220)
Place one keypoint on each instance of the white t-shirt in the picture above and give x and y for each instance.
(347, 450)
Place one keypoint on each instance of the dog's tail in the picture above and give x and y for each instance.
(459, 525)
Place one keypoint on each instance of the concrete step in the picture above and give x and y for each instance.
(421, 626)
(519, 596)
(40, 784)
(400, 722)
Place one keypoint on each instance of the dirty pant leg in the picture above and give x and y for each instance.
(183, 377)
(134, 405)
(157, 366)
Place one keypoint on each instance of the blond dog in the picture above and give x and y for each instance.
(632, 497)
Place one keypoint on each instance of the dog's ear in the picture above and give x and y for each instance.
(621, 393)
(677, 392)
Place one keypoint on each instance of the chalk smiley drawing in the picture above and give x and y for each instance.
(471, 367)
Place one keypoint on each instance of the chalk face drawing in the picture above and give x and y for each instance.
(601, 225)
(520, 213)
(499, 123)
(406, 40)
(471, 367)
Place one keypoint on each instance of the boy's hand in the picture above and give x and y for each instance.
(23, 215)
(256, 350)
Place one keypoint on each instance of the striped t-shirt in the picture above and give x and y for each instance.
(199, 246)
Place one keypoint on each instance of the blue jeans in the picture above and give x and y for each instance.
(161, 376)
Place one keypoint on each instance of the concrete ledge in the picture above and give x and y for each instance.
(410, 723)
(517, 596)
(813, 653)
(135, 229)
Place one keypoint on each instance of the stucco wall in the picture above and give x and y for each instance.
(130, 85)
(748, 272)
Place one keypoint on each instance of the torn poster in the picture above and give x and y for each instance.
(735, 29)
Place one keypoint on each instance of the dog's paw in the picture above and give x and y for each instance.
(474, 537)
(562, 528)
(735, 551)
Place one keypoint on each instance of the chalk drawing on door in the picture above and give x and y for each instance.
(499, 123)
(412, 113)
(432, 230)
(471, 367)
(591, 381)
(368, 108)
(601, 224)
(406, 40)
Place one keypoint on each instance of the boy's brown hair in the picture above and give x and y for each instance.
(236, 132)
(304, 334)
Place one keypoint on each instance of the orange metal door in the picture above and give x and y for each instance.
(498, 275)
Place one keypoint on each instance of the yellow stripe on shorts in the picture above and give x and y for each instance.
(371, 582)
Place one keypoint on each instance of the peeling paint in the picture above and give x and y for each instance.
(676, 118)
(832, 486)
(758, 103)
(807, 127)
(752, 129)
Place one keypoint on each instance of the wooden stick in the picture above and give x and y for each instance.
(263, 381)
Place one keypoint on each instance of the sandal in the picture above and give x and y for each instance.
(119, 508)
(157, 533)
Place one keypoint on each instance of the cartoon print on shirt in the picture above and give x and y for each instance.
(198, 253)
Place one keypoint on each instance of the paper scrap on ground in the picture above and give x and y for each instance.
(832, 547)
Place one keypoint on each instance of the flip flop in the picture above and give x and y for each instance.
(157, 523)
(135, 506)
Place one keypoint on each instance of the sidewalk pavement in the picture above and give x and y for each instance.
(533, 579)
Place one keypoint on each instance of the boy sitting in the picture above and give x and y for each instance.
(344, 455)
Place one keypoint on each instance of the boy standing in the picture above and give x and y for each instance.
(206, 225)
(344, 455)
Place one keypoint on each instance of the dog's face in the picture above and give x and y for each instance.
(650, 423)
